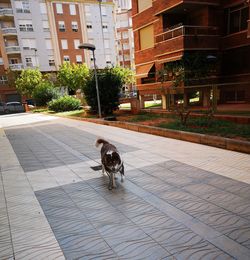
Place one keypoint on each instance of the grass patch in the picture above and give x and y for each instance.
(77, 113)
(144, 117)
(215, 127)
(40, 110)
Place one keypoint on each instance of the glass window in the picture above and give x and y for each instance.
(45, 26)
(28, 61)
(105, 27)
(43, 8)
(76, 43)
(72, 9)
(48, 43)
(87, 10)
(89, 27)
(74, 26)
(64, 44)
(51, 61)
(61, 26)
(66, 58)
(79, 59)
(103, 10)
(108, 59)
(59, 9)
(106, 43)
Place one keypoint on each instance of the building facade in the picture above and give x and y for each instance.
(166, 32)
(45, 33)
(125, 37)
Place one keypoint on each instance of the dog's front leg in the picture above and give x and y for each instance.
(113, 180)
(110, 181)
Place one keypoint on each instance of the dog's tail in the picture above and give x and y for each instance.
(100, 141)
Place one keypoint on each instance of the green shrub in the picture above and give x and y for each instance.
(65, 103)
(44, 93)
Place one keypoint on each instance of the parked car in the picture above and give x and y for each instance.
(2, 106)
(13, 107)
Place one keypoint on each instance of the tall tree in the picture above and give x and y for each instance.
(110, 82)
(72, 76)
(28, 81)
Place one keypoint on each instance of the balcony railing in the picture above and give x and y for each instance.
(22, 10)
(6, 12)
(186, 30)
(17, 66)
(9, 31)
(12, 49)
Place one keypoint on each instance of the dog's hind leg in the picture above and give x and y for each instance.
(122, 173)
(103, 170)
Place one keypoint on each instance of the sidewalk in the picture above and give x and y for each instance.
(179, 201)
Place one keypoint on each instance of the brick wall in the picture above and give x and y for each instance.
(68, 35)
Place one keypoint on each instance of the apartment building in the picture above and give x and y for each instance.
(125, 37)
(45, 33)
(167, 31)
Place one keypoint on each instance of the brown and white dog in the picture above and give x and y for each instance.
(111, 161)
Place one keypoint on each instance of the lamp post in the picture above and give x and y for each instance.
(91, 47)
(35, 57)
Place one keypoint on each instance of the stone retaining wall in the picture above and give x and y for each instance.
(216, 141)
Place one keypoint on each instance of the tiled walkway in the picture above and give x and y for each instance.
(179, 200)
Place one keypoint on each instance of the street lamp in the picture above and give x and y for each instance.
(35, 57)
(91, 47)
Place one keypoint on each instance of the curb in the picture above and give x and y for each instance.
(215, 141)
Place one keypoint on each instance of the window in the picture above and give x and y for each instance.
(28, 61)
(25, 25)
(119, 35)
(43, 8)
(1, 61)
(236, 19)
(126, 57)
(105, 27)
(146, 35)
(3, 80)
(79, 59)
(89, 27)
(143, 5)
(48, 44)
(74, 26)
(22, 6)
(103, 10)
(66, 58)
(108, 60)
(72, 9)
(125, 35)
(87, 10)
(64, 44)
(51, 61)
(76, 43)
(45, 26)
(61, 26)
(59, 9)
(106, 43)
(29, 44)
(125, 46)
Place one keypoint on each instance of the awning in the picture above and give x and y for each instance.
(142, 71)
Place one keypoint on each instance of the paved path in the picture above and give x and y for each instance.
(179, 201)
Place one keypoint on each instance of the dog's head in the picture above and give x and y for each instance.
(112, 161)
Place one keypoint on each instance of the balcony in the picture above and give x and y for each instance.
(9, 31)
(187, 37)
(12, 49)
(6, 12)
(17, 66)
(161, 6)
